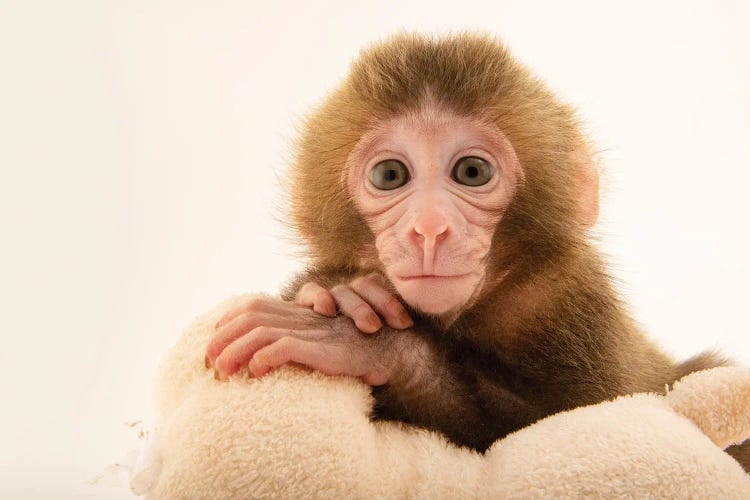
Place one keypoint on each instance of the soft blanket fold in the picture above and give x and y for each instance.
(296, 434)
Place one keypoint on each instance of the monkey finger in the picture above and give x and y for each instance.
(353, 306)
(239, 326)
(293, 350)
(241, 351)
(321, 300)
(253, 305)
(383, 301)
(238, 353)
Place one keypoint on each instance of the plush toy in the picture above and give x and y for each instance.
(298, 434)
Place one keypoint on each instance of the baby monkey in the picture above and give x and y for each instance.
(446, 195)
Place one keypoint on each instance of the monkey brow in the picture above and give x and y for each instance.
(366, 145)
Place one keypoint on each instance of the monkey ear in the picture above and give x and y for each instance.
(587, 180)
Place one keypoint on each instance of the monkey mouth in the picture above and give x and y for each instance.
(432, 276)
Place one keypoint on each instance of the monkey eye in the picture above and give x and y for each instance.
(389, 174)
(472, 171)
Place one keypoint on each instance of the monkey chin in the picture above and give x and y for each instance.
(437, 295)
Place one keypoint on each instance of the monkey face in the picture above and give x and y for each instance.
(413, 168)
(432, 186)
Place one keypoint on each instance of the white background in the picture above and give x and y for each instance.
(141, 143)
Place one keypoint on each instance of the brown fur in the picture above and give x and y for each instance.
(548, 332)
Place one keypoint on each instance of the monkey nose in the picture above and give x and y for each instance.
(428, 229)
(432, 226)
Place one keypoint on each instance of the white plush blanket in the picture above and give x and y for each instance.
(296, 434)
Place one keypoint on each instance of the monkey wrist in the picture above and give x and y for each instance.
(405, 364)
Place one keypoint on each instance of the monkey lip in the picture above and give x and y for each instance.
(432, 276)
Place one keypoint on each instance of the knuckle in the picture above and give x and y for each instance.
(339, 288)
(284, 344)
(213, 349)
(254, 304)
(241, 318)
(261, 331)
(226, 363)
(322, 296)
(393, 306)
(375, 278)
(242, 323)
(363, 311)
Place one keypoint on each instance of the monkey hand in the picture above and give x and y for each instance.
(361, 300)
(265, 333)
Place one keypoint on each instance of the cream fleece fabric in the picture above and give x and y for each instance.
(296, 434)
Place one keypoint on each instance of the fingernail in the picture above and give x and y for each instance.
(374, 322)
(405, 320)
(207, 361)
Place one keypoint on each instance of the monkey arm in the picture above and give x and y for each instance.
(438, 383)
(443, 387)
(419, 374)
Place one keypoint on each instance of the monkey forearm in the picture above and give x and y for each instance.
(426, 396)
(456, 397)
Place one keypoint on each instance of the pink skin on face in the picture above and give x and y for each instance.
(433, 233)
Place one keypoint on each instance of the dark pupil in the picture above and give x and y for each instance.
(472, 171)
(390, 175)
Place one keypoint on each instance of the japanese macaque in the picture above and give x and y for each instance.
(445, 195)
